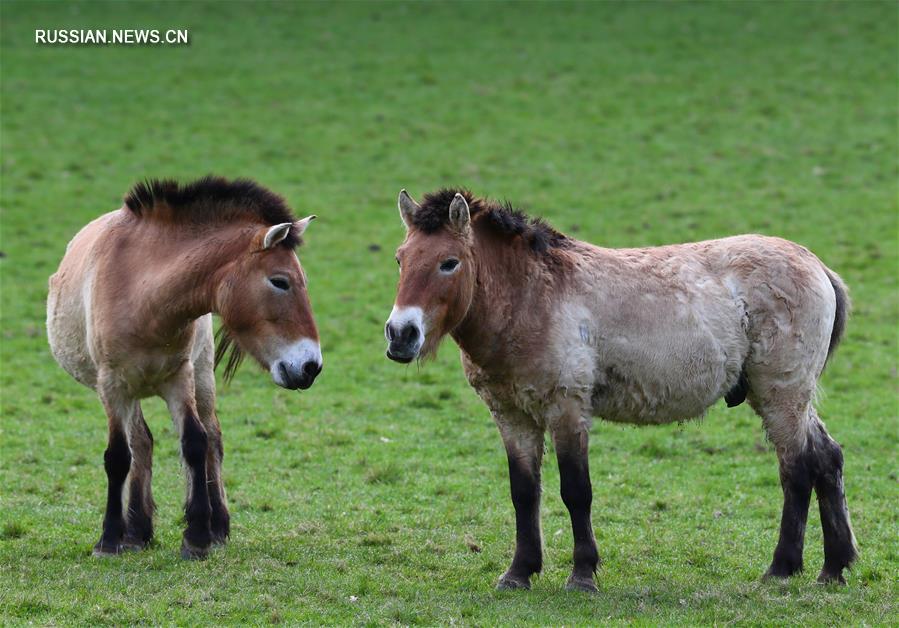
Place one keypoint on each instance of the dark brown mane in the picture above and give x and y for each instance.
(211, 199)
(500, 218)
(224, 343)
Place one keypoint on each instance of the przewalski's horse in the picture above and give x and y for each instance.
(554, 331)
(129, 315)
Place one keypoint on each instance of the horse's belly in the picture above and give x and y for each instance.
(621, 400)
(652, 385)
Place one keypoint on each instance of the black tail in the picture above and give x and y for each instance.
(843, 308)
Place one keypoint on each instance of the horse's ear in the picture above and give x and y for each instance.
(302, 225)
(408, 207)
(459, 215)
(275, 234)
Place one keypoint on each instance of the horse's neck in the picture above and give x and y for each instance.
(508, 301)
(185, 280)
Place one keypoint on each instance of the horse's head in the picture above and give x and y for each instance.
(265, 308)
(437, 276)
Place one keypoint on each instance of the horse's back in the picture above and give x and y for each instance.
(69, 303)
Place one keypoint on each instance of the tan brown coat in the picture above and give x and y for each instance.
(129, 315)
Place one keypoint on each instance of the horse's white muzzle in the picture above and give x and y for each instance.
(405, 332)
(298, 365)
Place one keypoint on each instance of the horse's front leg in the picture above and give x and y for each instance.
(179, 395)
(121, 412)
(205, 391)
(571, 439)
(139, 520)
(523, 440)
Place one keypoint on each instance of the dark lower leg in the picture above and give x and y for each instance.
(572, 451)
(139, 519)
(117, 462)
(839, 541)
(577, 494)
(194, 446)
(220, 519)
(796, 479)
(139, 522)
(524, 480)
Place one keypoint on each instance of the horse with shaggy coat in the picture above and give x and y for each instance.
(554, 331)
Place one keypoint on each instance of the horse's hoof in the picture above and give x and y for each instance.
(102, 551)
(581, 583)
(508, 582)
(192, 552)
(780, 573)
(825, 577)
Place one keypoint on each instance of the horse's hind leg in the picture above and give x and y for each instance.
(120, 412)
(839, 541)
(809, 459)
(796, 479)
(139, 519)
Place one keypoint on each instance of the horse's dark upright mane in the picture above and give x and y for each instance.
(500, 218)
(212, 199)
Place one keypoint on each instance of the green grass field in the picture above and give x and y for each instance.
(381, 494)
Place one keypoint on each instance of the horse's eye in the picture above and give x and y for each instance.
(397, 260)
(279, 282)
(449, 265)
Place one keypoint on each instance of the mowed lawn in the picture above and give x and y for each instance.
(381, 495)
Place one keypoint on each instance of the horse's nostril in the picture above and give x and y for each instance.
(312, 369)
(388, 331)
(283, 370)
(410, 334)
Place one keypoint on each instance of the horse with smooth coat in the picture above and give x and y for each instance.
(554, 331)
(129, 315)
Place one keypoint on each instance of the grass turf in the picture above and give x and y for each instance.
(380, 495)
